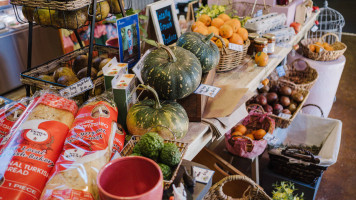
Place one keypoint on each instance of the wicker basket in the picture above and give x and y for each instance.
(30, 77)
(54, 5)
(298, 79)
(244, 9)
(282, 122)
(127, 150)
(339, 48)
(254, 192)
(296, 163)
(231, 59)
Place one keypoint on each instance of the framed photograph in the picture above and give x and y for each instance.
(129, 39)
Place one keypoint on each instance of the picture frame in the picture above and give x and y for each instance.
(128, 32)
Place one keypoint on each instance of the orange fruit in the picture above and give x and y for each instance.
(317, 48)
(250, 136)
(201, 30)
(225, 31)
(220, 44)
(213, 29)
(312, 47)
(224, 17)
(259, 134)
(234, 23)
(240, 128)
(236, 39)
(217, 22)
(243, 33)
(329, 48)
(197, 23)
(261, 59)
(265, 82)
(236, 133)
(205, 19)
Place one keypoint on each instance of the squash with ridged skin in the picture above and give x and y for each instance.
(201, 46)
(172, 71)
(155, 116)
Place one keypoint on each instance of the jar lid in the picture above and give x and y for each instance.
(253, 36)
(263, 41)
(269, 36)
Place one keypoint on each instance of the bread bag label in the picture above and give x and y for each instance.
(86, 149)
(29, 156)
(8, 117)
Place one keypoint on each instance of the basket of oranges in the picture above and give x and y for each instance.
(247, 139)
(226, 30)
(318, 49)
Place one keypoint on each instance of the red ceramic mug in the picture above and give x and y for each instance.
(130, 178)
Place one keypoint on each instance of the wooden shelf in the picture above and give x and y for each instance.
(247, 76)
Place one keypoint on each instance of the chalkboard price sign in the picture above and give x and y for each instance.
(165, 21)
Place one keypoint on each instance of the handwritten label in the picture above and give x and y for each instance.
(259, 13)
(77, 88)
(280, 71)
(166, 24)
(271, 140)
(207, 90)
(314, 28)
(260, 86)
(236, 47)
(284, 115)
(202, 175)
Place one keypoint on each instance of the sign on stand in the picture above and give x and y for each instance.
(77, 88)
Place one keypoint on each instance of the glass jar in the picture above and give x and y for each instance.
(251, 48)
(271, 42)
(261, 45)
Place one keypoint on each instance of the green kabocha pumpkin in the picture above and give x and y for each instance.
(172, 71)
(201, 46)
(168, 118)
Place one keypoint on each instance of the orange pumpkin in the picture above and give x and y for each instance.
(213, 29)
(196, 24)
(243, 33)
(205, 19)
(250, 136)
(224, 17)
(217, 22)
(240, 128)
(226, 31)
(234, 23)
(259, 134)
(220, 44)
(236, 39)
(261, 59)
(201, 30)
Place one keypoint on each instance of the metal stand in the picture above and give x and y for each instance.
(78, 38)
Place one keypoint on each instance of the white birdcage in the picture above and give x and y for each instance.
(330, 20)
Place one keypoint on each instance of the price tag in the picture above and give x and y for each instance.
(284, 116)
(280, 71)
(236, 47)
(314, 28)
(271, 140)
(207, 90)
(77, 88)
(259, 13)
(260, 86)
(202, 175)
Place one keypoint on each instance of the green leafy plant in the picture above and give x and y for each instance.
(284, 191)
(212, 11)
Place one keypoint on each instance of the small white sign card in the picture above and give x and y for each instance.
(202, 175)
(207, 90)
(236, 47)
(77, 88)
(139, 66)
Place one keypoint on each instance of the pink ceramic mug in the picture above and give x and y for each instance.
(130, 178)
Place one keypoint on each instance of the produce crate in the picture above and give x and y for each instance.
(127, 150)
(30, 76)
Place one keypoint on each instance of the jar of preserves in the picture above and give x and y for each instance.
(271, 42)
(251, 48)
(261, 45)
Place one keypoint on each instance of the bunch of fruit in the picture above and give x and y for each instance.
(278, 100)
(252, 134)
(223, 25)
(167, 155)
(68, 75)
(318, 47)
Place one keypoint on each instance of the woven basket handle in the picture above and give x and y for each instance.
(227, 179)
(297, 60)
(322, 39)
(258, 108)
(254, 6)
(244, 137)
(309, 157)
(321, 110)
(223, 43)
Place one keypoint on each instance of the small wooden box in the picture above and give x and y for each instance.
(194, 104)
